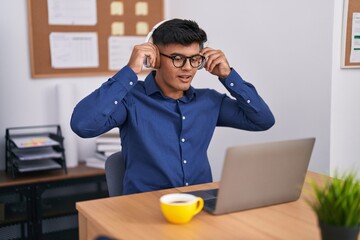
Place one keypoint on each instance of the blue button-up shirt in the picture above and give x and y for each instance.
(165, 141)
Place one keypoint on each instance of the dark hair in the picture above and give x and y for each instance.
(184, 32)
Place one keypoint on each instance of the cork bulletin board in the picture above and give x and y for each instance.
(351, 35)
(126, 20)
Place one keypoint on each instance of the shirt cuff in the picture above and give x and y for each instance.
(243, 91)
(126, 77)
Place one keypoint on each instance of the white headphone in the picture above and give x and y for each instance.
(149, 39)
(149, 35)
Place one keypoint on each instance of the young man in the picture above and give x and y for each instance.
(166, 125)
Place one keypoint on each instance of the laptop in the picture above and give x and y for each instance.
(259, 175)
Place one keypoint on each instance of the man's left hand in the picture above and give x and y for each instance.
(216, 62)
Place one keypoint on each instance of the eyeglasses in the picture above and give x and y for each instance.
(196, 61)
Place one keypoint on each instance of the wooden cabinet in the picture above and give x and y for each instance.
(41, 205)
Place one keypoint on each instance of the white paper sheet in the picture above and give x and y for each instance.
(74, 50)
(120, 49)
(355, 39)
(72, 12)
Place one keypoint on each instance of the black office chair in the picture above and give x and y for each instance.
(114, 172)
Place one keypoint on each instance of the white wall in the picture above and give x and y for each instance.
(345, 107)
(283, 47)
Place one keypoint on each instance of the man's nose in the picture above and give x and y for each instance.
(187, 64)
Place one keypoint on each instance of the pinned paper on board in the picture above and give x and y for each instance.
(70, 12)
(355, 39)
(74, 50)
(117, 28)
(141, 9)
(142, 28)
(117, 8)
(350, 53)
(120, 49)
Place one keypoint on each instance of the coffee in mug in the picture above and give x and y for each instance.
(180, 208)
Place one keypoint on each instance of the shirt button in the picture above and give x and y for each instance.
(232, 84)
(115, 102)
(183, 139)
(248, 101)
(185, 161)
(183, 117)
(131, 83)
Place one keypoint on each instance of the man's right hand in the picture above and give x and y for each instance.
(140, 53)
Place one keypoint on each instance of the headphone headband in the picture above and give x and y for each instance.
(149, 35)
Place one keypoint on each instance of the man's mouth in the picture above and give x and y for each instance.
(185, 78)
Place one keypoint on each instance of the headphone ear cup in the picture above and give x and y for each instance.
(149, 39)
(157, 59)
(157, 54)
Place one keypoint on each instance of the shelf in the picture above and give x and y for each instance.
(39, 205)
(34, 148)
(13, 217)
(33, 141)
(37, 165)
(54, 207)
(36, 153)
(61, 235)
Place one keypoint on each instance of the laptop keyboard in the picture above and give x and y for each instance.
(209, 196)
(210, 204)
(206, 194)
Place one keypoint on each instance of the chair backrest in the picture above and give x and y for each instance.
(114, 172)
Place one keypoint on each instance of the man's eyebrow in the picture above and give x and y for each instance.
(175, 53)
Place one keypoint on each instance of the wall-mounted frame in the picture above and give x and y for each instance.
(152, 12)
(351, 35)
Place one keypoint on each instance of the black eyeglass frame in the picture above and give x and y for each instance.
(185, 60)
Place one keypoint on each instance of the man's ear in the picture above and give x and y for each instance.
(157, 59)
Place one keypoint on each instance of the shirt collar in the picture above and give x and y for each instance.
(151, 87)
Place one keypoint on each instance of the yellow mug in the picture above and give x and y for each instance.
(180, 208)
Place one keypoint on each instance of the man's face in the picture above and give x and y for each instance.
(174, 81)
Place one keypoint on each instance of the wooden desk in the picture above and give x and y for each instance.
(138, 216)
